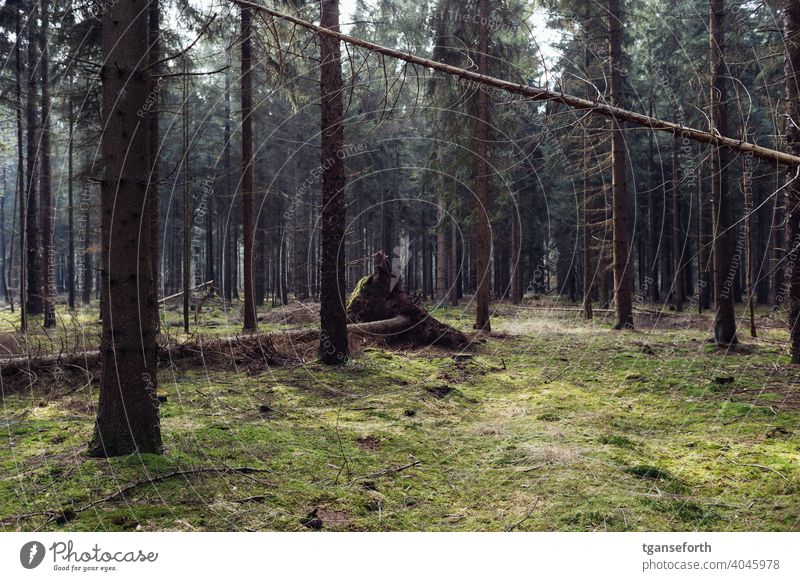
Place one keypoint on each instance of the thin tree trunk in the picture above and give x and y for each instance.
(154, 149)
(71, 208)
(724, 319)
(791, 25)
(228, 256)
(21, 182)
(441, 247)
(128, 411)
(248, 224)
(623, 299)
(88, 271)
(48, 264)
(186, 208)
(4, 290)
(33, 302)
(677, 231)
(588, 271)
(333, 346)
(483, 241)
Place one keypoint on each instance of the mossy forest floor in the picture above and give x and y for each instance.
(552, 423)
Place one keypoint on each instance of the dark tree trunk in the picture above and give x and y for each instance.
(88, 271)
(333, 347)
(588, 267)
(623, 299)
(724, 318)
(228, 256)
(482, 232)
(128, 411)
(71, 209)
(516, 257)
(442, 227)
(791, 25)
(677, 231)
(186, 209)
(248, 223)
(154, 147)
(33, 303)
(300, 246)
(3, 281)
(48, 255)
(21, 183)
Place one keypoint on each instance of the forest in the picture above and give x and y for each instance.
(395, 265)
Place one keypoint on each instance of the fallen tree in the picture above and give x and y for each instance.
(542, 94)
(252, 347)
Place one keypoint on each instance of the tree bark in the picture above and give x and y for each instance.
(33, 303)
(724, 317)
(623, 299)
(248, 185)
(677, 231)
(71, 208)
(154, 149)
(791, 25)
(128, 411)
(483, 242)
(46, 177)
(333, 347)
(21, 183)
(228, 279)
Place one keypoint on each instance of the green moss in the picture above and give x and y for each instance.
(539, 416)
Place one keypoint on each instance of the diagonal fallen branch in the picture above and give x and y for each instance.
(541, 94)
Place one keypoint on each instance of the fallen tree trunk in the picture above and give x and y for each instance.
(259, 344)
(541, 94)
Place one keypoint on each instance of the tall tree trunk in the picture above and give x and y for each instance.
(791, 25)
(516, 258)
(623, 299)
(186, 206)
(482, 231)
(71, 204)
(441, 247)
(33, 302)
(4, 290)
(300, 246)
(456, 271)
(588, 269)
(724, 318)
(48, 255)
(248, 223)
(677, 230)
(21, 183)
(333, 347)
(228, 277)
(128, 411)
(88, 270)
(154, 147)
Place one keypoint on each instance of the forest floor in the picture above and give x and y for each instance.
(551, 423)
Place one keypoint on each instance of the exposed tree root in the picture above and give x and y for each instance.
(375, 299)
